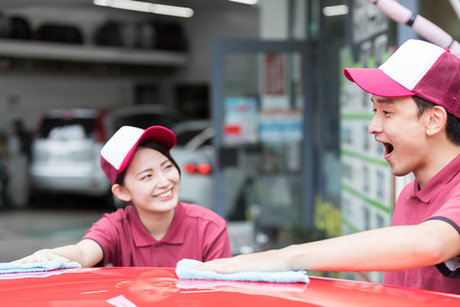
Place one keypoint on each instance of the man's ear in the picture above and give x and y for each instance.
(121, 192)
(437, 120)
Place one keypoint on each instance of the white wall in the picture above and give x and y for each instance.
(27, 96)
(202, 30)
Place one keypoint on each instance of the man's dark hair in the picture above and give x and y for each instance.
(452, 125)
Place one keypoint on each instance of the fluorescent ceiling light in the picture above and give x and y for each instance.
(250, 2)
(335, 10)
(147, 7)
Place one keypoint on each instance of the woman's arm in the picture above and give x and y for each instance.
(86, 252)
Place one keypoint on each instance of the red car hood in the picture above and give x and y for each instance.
(145, 286)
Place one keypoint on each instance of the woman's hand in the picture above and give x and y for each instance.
(43, 255)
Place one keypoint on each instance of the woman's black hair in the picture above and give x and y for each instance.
(155, 146)
(452, 124)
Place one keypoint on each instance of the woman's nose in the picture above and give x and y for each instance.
(162, 179)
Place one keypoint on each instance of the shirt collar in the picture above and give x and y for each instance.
(174, 235)
(442, 178)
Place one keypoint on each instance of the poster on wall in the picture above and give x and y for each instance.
(274, 82)
(280, 126)
(240, 121)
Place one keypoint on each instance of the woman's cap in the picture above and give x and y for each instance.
(118, 151)
(416, 68)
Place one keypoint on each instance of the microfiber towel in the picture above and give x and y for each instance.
(185, 269)
(56, 264)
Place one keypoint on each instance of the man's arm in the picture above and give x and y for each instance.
(384, 249)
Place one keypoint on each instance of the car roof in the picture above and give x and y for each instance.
(144, 286)
(198, 124)
(73, 113)
(193, 133)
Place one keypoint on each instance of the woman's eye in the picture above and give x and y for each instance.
(146, 177)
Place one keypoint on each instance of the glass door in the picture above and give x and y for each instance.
(261, 111)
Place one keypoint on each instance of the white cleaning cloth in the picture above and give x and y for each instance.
(10, 267)
(185, 269)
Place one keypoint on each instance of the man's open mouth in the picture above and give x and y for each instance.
(388, 148)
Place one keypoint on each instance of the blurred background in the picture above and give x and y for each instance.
(270, 135)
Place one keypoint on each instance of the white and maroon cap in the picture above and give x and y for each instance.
(118, 151)
(416, 68)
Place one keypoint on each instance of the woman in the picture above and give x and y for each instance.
(156, 229)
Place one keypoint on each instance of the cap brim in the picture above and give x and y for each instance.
(158, 134)
(376, 82)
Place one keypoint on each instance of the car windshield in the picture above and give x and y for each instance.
(58, 128)
(188, 136)
(185, 136)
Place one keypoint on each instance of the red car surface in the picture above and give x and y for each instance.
(144, 286)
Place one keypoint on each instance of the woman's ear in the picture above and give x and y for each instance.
(121, 192)
(437, 120)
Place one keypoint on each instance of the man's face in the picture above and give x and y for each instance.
(403, 134)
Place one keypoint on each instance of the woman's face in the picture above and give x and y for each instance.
(152, 181)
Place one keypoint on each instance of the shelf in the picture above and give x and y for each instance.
(90, 54)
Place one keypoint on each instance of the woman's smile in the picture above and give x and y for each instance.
(166, 194)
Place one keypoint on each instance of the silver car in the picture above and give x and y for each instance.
(194, 154)
(65, 153)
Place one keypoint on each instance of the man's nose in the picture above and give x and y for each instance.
(375, 125)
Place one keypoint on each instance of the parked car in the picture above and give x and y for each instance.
(67, 144)
(194, 153)
(65, 153)
(135, 286)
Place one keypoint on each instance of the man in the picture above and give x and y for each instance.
(416, 100)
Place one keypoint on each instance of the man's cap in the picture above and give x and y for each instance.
(118, 151)
(416, 68)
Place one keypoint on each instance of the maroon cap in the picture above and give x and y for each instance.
(416, 68)
(118, 151)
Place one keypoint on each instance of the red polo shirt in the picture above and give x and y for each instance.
(439, 199)
(195, 233)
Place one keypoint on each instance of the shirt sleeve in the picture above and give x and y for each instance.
(105, 233)
(449, 213)
(450, 268)
(219, 244)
